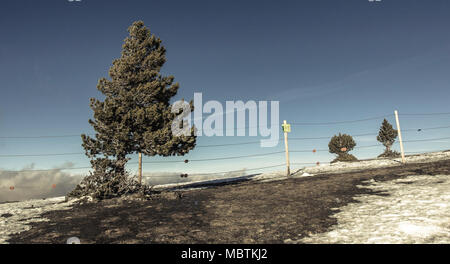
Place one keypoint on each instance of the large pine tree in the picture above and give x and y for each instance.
(135, 115)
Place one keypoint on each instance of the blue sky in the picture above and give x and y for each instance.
(323, 60)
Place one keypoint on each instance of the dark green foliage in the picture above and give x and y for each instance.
(109, 181)
(387, 136)
(389, 154)
(135, 115)
(341, 145)
(345, 157)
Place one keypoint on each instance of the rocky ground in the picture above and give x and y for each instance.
(330, 207)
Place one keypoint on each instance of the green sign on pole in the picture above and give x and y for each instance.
(286, 128)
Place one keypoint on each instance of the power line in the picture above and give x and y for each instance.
(341, 122)
(322, 150)
(244, 143)
(424, 140)
(426, 128)
(426, 151)
(329, 137)
(178, 161)
(426, 114)
(199, 146)
(228, 144)
(291, 138)
(210, 159)
(42, 170)
(200, 160)
(310, 163)
(246, 127)
(252, 169)
(40, 155)
(234, 157)
(42, 136)
(292, 123)
(212, 173)
(221, 172)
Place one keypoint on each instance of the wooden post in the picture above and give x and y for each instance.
(400, 136)
(140, 168)
(285, 129)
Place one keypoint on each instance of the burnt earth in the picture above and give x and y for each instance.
(245, 212)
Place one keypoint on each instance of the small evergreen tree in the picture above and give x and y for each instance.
(387, 136)
(135, 115)
(341, 145)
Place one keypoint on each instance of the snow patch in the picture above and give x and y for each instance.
(416, 212)
(343, 167)
(340, 167)
(16, 217)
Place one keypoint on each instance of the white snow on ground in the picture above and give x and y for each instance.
(417, 210)
(16, 217)
(342, 167)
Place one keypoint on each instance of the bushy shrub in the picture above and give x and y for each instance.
(109, 180)
(345, 157)
(389, 154)
(341, 145)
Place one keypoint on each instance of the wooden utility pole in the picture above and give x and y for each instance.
(400, 136)
(286, 129)
(140, 168)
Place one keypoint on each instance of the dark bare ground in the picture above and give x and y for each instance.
(248, 212)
